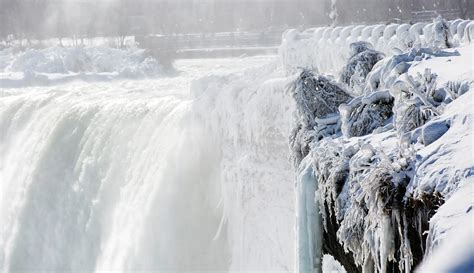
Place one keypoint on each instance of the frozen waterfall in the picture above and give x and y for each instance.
(143, 175)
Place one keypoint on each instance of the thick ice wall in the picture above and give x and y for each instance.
(403, 40)
(335, 33)
(461, 29)
(469, 33)
(377, 32)
(453, 26)
(318, 33)
(291, 51)
(251, 116)
(385, 43)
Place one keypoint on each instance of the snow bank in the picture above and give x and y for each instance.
(450, 236)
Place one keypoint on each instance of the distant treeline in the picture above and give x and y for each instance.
(39, 19)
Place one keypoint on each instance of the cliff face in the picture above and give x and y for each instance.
(384, 155)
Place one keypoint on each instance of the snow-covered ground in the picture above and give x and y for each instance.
(109, 163)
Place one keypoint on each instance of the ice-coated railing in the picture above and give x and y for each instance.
(326, 49)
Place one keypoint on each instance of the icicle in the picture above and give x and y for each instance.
(308, 221)
(407, 256)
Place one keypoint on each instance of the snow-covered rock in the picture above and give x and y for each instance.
(380, 182)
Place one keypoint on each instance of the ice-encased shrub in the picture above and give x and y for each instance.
(456, 88)
(360, 64)
(317, 96)
(359, 47)
(417, 101)
(412, 116)
(317, 101)
(376, 184)
(365, 114)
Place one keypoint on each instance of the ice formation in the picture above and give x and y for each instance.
(326, 49)
(378, 190)
(360, 64)
(308, 222)
(62, 64)
(251, 116)
(363, 115)
(317, 101)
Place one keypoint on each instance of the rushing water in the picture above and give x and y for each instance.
(120, 175)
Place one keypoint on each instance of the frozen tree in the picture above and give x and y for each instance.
(361, 62)
(365, 114)
(359, 47)
(317, 102)
(317, 96)
(417, 101)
